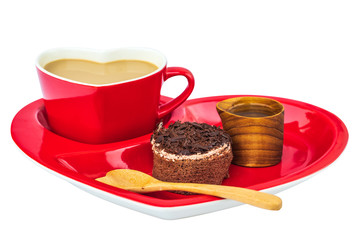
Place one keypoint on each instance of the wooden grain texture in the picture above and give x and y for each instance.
(256, 127)
(140, 182)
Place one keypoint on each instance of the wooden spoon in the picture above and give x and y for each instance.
(140, 182)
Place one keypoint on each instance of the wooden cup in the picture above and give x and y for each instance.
(256, 127)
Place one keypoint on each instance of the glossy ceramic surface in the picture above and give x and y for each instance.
(109, 112)
(313, 139)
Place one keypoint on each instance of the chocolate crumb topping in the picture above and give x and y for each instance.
(189, 137)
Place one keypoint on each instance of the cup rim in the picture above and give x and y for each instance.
(218, 106)
(98, 52)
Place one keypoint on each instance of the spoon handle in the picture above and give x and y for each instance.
(244, 195)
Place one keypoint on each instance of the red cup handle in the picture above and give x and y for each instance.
(171, 105)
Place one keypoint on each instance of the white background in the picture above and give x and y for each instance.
(303, 50)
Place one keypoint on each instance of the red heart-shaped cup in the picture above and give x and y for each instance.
(103, 113)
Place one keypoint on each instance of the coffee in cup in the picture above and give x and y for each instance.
(86, 71)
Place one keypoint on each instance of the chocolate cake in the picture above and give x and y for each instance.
(191, 152)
